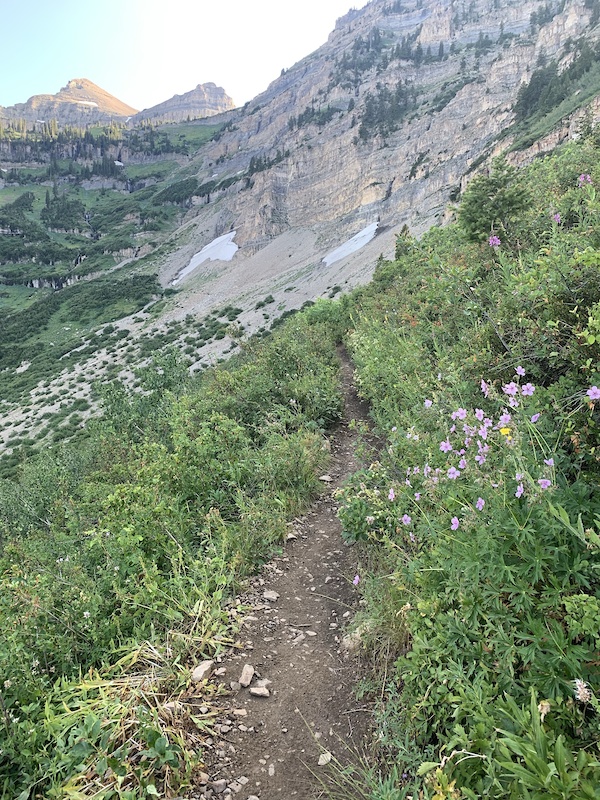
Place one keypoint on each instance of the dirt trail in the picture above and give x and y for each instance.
(270, 747)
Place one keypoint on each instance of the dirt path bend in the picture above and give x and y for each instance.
(275, 745)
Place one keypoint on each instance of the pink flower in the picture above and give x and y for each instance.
(462, 463)
(535, 418)
(445, 446)
(428, 403)
(520, 490)
(520, 371)
(392, 495)
(544, 483)
(584, 178)
(406, 520)
(485, 388)
(356, 580)
(417, 496)
(479, 414)
(504, 419)
(455, 522)
(557, 218)
(593, 393)
(510, 388)
(549, 462)
(480, 504)
(480, 459)
(513, 402)
(494, 241)
(528, 389)
(453, 473)
(460, 413)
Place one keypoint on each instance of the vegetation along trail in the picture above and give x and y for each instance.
(292, 717)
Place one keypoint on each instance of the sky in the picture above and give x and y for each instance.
(146, 51)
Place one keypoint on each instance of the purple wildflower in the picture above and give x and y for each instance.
(483, 432)
(356, 580)
(557, 218)
(480, 504)
(519, 476)
(412, 537)
(593, 393)
(520, 371)
(392, 495)
(460, 413)
(494, 241)
(584, 178)
(479, 414)
(549, 462)
(480, 459)
(544, 483)
(453, 473)
(535, 418)
(528, 389)
(417, 496)
(406, 520)
(428, 403)
(504, 419)
(455, 522)
(513, 402)
(445, 446)
(485, 388)
(462, 463)
(510, 388)
(520, 490)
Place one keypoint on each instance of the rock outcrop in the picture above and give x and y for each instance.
(206, 100)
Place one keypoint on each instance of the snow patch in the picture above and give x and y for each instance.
(221, 249)
(87, 103)
(352, 245)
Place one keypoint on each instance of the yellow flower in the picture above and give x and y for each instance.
(504, 431)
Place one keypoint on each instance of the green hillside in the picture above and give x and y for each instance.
(479, 518)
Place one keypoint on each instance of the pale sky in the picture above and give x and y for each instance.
(145, 51)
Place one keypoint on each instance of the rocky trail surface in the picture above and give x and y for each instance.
(291, 716)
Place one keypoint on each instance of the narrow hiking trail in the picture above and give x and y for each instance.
(291, 707)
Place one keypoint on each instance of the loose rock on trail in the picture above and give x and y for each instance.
(291, 710)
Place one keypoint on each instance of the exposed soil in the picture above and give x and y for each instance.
(270, 747)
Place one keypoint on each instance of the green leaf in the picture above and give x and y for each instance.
(426, 767)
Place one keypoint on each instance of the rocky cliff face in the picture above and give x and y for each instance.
(205, 100)
(80, 102)
(384, 120)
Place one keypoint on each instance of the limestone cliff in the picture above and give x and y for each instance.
(205, 100)
(385, 120)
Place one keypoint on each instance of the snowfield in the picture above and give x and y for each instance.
(352, 245)
(221, 249)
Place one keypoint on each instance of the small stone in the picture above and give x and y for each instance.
(240, 712)
(235, 686)
(203, 671)
(204, 709)
(324, 758)
(203, 778)
(326, 478)
(221, 671)
(271, 770)
(235, 787)
(291, 536)
(260, 691)
(245, 678)
(311, 633)
(219, 786)
(253, 797)
(271, 595)
(243, 780)
(263, 683)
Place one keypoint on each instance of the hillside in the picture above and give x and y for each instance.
(205, 100)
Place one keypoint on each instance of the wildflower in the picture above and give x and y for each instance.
(455, 522)
(584, 178)
(480, 459)
(544, 709)
(593, 393)
(453, 473)
(462, 463)
(369, 520)
(412, 537)
(520, 490)
(482, 432)
(479, 414)
(494, 241)
(544, 483)
(505, 418)
(426, 470)
(406, 520)
(557, 218)
(549, 462)
(394, 429)
(520, 371)
(460, 413)
(510, 388)
(86, 614)
(485, 388)
(7, 684)
(527, 390)
(535, 418)
(480, 504)
(505, 431)
(582, 692)
(519, 476)
(417, 496)
(356, 580)
(445, 446)
(428, 403)
(392, 495)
